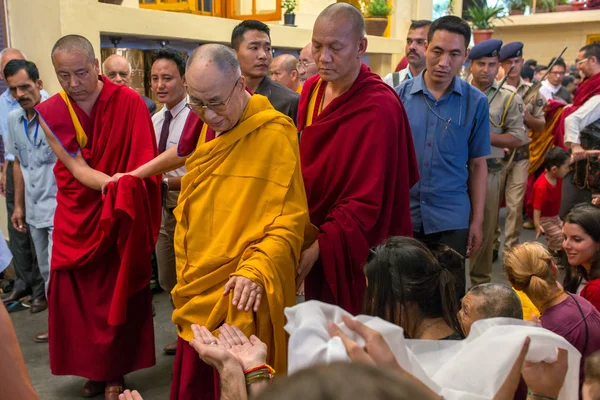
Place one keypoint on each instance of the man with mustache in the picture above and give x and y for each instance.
(416, 41)
(251, 42)
(449, 120)
(99, 300)
(358, 161)
(35, 185)
(20, 243)
(506, 132)
(307, 66)
(118, 70)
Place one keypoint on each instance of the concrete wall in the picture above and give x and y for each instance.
(545, 35)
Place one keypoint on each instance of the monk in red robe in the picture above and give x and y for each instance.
(99, 300)
(358, 161)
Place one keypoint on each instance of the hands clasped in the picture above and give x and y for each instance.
(114, 179)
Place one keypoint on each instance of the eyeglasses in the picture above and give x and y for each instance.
(578, 62)
(216, 107)
(304, 64)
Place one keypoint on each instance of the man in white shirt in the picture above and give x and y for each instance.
(552, 88)
(416, 41)
(582, 126)
(168, 84)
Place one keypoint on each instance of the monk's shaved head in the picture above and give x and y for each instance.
(71, 43)
(347, 12)
(221, 56)
(287, 62)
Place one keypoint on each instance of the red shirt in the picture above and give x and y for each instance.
(547, 197)
(591, 292)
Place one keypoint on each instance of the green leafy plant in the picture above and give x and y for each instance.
(518, 4)
(289, 5)
(483, 16)
(378, 8)
(547, 5)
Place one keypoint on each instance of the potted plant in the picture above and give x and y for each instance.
(517, 7)
(376, 16)
(564, 5)
(544, 6)
(289, 18)
(117, 2)
(482, 18)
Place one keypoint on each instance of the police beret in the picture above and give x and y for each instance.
(511, 50)
(487, 48)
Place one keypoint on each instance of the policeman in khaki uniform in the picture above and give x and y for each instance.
(516, 162)
(506, 131)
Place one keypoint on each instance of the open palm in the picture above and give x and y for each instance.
(250, 352)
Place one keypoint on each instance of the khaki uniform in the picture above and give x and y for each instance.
(514, 177)
(506, 117)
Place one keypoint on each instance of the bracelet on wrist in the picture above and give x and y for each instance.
(259, 373)
(539, 396)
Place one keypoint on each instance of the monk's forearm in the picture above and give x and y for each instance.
(90, 177)
(19, 185)
(175, 184)
(477, 187)
(167, 161)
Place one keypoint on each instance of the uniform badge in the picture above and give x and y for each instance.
(520, 107)
(539, 102)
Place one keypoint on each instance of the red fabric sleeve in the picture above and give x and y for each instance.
(591, 292)
(540, 193)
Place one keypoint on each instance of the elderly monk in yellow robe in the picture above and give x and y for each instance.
(241, 217)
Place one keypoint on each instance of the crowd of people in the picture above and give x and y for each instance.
(261, 178)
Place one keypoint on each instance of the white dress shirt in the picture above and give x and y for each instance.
(180, 113)
(588, 113)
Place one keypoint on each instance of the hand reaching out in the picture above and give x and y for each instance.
(210, 349)
(127, 395)
(250, 352)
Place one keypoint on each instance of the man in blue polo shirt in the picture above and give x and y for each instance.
(449, 120)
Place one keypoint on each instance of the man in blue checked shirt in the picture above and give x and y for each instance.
(21, 244)
(449, 120)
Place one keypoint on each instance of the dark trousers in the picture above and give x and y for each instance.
(28, 277)
(456, 240)
(572, 195)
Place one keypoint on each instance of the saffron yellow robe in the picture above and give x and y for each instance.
(242, 211)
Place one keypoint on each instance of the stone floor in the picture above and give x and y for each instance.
(154, 382)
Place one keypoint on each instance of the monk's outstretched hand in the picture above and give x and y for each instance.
(114, 179)
(308, 258)
(250, 352)
(246, 294)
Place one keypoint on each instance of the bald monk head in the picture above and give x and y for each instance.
(284, 70)
(306, 64)
(216, 86)
(7, 55)
(77, 68)
(338, 43)
(117, 69)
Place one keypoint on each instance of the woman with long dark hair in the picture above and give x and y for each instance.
(581, 244)
(408, 287)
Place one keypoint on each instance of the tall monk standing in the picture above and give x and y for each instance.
(100, 310)
(358, 160)
(241, 217)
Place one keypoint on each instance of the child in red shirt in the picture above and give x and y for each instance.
(547, 191)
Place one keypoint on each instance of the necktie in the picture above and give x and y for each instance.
(164, 133)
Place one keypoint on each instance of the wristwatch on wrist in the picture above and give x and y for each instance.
(165, 184)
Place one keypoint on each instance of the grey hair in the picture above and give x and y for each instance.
(498, 301)
(221, 55)
(4, 51)
(104, 63)
(75, 42)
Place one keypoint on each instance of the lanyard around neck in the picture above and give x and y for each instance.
(35, 134)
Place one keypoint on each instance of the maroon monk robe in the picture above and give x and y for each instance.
(99, 301)
(358, 164)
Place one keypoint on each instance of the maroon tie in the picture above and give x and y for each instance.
(164, 133)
